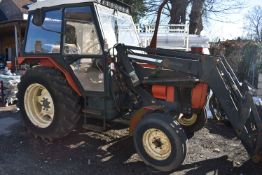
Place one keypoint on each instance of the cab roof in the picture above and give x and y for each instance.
(50, 3)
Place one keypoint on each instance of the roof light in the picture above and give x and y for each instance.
(117, 5)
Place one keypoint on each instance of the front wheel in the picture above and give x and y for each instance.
(49, 107)
(160, 142)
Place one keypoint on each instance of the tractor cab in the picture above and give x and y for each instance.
(81, 33)
(72, 26)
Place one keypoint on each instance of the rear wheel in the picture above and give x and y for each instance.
(160, 141)
(49, 107)
(193, 123)
(39, 105)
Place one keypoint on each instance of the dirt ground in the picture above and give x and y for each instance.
(214, 150)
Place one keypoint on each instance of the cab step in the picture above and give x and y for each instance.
(93, 127)
(93, 111)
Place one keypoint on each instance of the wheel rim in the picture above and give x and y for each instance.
(39, 105)
(187, 121)
(156, 144)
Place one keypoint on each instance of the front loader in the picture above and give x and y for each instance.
(85, 60)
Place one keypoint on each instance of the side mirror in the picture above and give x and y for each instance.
(38, 17)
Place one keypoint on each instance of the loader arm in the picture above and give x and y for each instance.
(235, 99)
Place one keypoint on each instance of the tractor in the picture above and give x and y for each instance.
(85, 61)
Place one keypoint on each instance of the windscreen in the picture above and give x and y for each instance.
(117, 27)
(80, 32)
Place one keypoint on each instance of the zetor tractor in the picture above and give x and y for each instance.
(85, 60)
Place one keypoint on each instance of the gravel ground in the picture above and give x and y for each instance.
(213, 150)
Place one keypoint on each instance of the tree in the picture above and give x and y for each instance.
(254, 23)
(138, 9)
(196, 17)
(251, 62)
(177, 11)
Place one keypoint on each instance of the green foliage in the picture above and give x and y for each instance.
(250, 65)
(259, 57)
(244, 56)
(138, 9)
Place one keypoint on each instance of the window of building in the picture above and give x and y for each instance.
(45, 38)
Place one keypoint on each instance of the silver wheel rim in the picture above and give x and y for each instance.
(156, 144)
(39, 105)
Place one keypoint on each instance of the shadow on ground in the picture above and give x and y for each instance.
(222, 128)
(89, 152)
(220, 166)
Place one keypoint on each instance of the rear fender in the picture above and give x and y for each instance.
(49, 62)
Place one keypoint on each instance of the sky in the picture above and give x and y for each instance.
(233, 27)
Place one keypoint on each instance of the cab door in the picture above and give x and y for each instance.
(82, 48)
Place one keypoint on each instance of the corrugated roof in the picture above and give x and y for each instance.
(12, 9)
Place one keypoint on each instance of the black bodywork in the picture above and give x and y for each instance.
(235, 98)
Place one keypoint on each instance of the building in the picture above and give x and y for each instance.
(12, 28)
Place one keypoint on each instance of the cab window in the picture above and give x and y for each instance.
(45, 38)
(80, 36)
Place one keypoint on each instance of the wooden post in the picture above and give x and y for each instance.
(19, 38)
(2, 94)
(16, 46)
